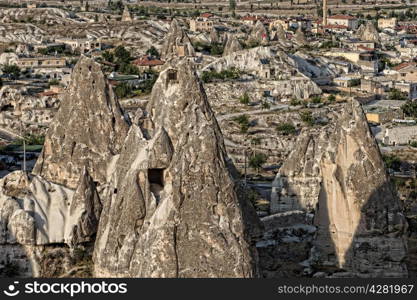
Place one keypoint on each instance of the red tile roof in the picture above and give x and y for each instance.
(148, 61)
(403, 65)
(206, 15)
(47, 93)
(249, 18)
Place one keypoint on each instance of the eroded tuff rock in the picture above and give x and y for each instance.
(259, 34)
(87, 131)
(368, 32)
(177, 43)
(232, 45)
(338, 175)
(279, 33)
(172, 209)
(299, 37)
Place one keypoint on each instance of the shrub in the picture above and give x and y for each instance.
(307, 117)
(331, 98)
(286, 129)
(244, 99)
(257, 160)
(210, 76)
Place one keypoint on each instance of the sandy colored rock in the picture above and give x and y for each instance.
(172, 209)
(87, 131)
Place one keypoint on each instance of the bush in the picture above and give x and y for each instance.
(295, 102)
(410, 108)
(257, 160)
(244, 99)
(307, 117)
(413, 144)
(13, 71)
(331, 98)
(122, 90)
(396, 94)
(316, 99)
(286, 129)
(243, 121)
(210, 76)
(392, 162)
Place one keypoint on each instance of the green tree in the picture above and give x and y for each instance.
(11, 71)
(153, 52)
(257, 160)
(396, 94)
(232, 5)
(410, 108)
(108, 56)
(122, 55)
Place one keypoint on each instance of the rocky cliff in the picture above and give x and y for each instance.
(232, 45)
(336, 174)
(177, 43)
(172, 209)
(60, 205)
(259, 34)
(87, 131)
(368, 32)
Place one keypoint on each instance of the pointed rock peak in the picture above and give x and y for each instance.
(172, 195)
(177, 43)
(340, 166)
(368, 32)
(300, 37)
(232, 45)
(87, 130)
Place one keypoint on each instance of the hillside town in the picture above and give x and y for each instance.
(305, 94)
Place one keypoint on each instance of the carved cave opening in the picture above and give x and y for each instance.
(156, 182)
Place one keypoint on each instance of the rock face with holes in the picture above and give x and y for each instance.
(336, 178)
(87, 131)
(177, 43)
(172, 209)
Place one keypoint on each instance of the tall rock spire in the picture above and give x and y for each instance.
(87, 131)
(172, 209)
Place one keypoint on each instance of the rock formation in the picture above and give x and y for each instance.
(368, 32)
(87, 131)
(232, 45)
(299, 37)
(279, 33)
(214, 36)
(177, 43)
(172, 209)
(338, 175)
(259, 34)
(60, 204)
(281, 70)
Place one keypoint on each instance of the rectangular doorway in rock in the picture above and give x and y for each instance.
(156, 182)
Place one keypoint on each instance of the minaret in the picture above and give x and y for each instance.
(324, 12)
